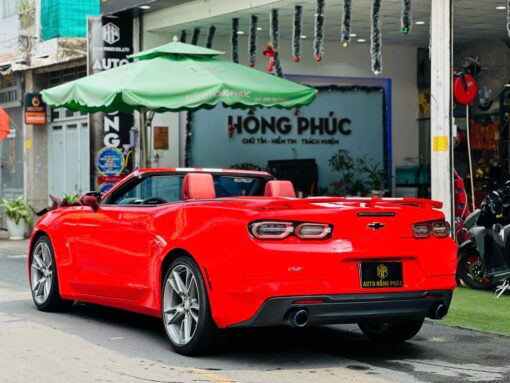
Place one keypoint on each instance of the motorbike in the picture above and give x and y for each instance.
(484, 258)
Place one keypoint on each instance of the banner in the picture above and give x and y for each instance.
(110, 41)
(352, 118)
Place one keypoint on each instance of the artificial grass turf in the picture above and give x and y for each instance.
(479, 310)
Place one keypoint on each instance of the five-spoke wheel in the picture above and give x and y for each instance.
(41, 272)
(44, 278)
(185, 309)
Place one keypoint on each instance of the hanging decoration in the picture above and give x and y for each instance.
(195, 36)
(318, 39)
(296, 33)
(508, 17)
(235, 40)
(270, 54)
(406, 21)
(252, 48)
(375, 41)
(346, 23)
(275, 36)
(184, 36)
(210, 36)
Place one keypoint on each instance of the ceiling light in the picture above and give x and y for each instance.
(501, 8)
(353, 35)
(144, 7)
(259, 28)
(240, 32)
(304, 36)
(420, 23)
(362, 40)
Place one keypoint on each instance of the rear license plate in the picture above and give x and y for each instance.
(381, 275)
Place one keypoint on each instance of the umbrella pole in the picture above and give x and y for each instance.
(143, 139)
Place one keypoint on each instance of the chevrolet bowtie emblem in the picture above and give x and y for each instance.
(376, 225)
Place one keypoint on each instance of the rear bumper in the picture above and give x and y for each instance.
(351, 308)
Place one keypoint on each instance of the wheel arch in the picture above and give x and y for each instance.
(38, 234)
(165, 263)
(169, 257)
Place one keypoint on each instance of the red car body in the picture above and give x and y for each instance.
(117, 255)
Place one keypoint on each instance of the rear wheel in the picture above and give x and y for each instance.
(471, 270)
(44, 278)
(186, 311)
(391, 331)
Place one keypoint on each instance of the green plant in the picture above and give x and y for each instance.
(350, 181)
(17, 209)
(357, 176)
(70, 199)
(374, 172)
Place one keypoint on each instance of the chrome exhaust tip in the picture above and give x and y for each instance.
(298, 318)
(438, 311)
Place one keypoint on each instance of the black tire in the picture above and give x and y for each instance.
(206, 334)
(471, 271)
(391, 332)
(53, 301)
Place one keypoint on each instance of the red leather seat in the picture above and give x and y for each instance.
(280, 189)
(198, 186)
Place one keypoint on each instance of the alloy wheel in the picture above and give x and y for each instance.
(181, 305)
(41, 273)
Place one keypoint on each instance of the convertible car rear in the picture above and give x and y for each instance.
(210, 249)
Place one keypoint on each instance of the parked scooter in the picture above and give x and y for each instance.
(484, 259)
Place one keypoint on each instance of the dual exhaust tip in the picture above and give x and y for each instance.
(301, 317)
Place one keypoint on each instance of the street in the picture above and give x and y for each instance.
(97, 344)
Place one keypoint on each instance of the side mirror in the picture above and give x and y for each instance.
(90, 199)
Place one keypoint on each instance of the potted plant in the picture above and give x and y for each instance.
(19, 215)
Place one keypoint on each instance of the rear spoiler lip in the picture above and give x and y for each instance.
(373, 201)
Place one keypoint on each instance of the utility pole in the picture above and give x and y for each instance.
(441, 105)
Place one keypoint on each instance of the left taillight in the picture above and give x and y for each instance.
(283, 229)
(271, 229)
(440, 229)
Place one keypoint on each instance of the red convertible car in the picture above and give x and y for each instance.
(207, 249)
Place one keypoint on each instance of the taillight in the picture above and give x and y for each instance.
(282, 229)
(312, 230)
(440, 229)
(271, 230)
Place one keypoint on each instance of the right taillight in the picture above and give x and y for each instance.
(440, 229)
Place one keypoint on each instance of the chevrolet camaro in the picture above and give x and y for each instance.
(208, 249)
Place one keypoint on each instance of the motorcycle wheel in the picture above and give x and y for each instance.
(471, 271)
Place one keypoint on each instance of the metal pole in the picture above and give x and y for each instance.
(471, 178)
(441, 105)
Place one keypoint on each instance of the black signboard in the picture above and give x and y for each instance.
(110, 41)
(35, 109)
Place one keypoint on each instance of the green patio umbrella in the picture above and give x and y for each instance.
(177, 77)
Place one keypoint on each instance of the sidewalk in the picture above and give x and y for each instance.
(12, 248)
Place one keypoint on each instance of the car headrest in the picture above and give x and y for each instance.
(280, 189)
(198, 186)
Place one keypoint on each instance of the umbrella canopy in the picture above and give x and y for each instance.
(176, 77)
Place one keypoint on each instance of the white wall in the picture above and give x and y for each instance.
(399, 66)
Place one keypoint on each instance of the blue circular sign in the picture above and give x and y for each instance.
(110, 161)
(103, 188)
